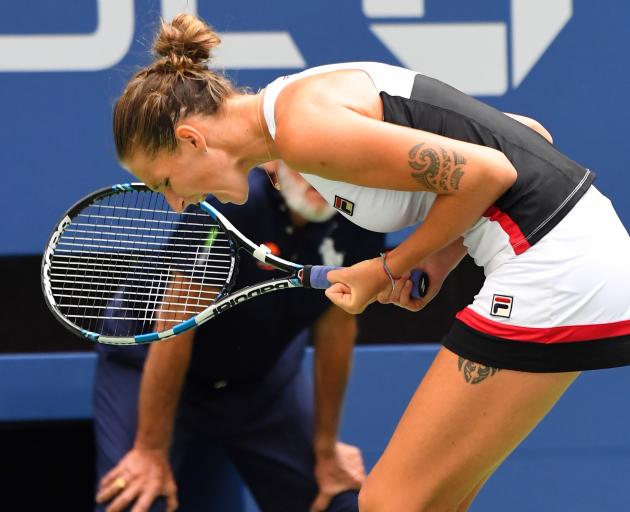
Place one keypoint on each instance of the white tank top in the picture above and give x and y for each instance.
(379, 209)
(367, 207)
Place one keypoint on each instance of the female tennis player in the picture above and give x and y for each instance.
(389, 147)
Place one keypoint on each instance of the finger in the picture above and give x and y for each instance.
(146, 499)
(111, 475)
(337, 275)
(321, 502)
(171, 502)
(340, 288)
(110, 490)
(339, 294)
(405, 293)
(407, 301)
(170, 491)
(399, 286)
(126, 497)
(360, 475)
(356, 484)
(106, 494)
(384, 297)
(412, 304)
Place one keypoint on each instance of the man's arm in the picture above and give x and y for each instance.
(145, 469)
(334, 335)
(144, 472)
(338, 467)
(162, 379)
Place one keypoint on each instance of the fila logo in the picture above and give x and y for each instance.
(343, 205)
(501, 306)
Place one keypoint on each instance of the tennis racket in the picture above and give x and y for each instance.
(122, 268)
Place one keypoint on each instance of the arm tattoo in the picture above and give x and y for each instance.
(474, 373)
(437, 170)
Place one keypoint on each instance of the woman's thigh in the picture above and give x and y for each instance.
(463, 420)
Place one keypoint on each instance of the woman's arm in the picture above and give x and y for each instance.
(327, 139)
(437, 266)
(533, 124)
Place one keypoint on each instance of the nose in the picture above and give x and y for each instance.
(176, 202)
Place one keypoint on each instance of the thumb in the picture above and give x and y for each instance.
(320, 503)
(336, 275)
(339, 294)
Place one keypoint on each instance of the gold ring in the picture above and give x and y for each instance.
(120, 483)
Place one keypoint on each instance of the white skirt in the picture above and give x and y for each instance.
(562, 305)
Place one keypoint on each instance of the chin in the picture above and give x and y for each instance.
(241, 199)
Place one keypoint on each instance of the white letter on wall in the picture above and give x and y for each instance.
(172, 7)
(102, 49)
(245, 50)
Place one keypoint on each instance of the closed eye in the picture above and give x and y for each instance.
(164, 184)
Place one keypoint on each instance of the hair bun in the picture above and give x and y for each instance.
(186, 37)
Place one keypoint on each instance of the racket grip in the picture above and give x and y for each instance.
(316, 276)
(420, 284)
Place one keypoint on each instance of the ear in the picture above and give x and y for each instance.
(186, 134)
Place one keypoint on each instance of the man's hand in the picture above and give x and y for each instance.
(140, 476)
(340, 471)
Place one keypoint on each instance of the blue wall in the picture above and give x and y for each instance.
(577, 459)
(563, 62)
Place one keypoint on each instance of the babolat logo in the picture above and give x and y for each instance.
(242, 297)
(343, 205)
(501, 306)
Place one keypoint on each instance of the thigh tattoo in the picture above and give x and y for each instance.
(473, 372)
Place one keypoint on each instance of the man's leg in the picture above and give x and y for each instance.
(206, 479)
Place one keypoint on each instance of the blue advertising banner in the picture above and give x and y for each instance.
(63, 63)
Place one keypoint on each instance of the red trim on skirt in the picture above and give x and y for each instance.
(561, 334)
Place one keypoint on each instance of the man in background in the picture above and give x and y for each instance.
(238, 382)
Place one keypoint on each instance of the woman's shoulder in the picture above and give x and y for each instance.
(309, 105)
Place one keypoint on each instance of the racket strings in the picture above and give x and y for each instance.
(128, 265)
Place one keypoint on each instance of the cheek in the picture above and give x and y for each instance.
(188, 180)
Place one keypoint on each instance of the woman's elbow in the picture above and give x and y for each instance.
(499, 176)
(539, 128)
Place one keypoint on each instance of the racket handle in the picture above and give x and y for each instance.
(420, 285)
(316, 276)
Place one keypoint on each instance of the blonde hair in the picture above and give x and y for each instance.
(178, 83)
